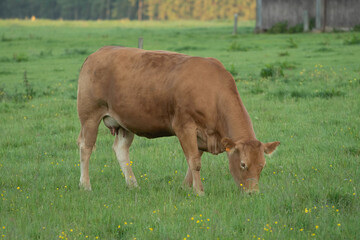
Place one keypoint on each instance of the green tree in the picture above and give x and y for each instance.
(117, 9)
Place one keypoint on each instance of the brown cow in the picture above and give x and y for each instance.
(157, 94)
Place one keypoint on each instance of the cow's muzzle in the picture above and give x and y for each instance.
(252, 186)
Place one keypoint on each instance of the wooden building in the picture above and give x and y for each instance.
(329, 14)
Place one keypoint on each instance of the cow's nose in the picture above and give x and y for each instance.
(252, 191)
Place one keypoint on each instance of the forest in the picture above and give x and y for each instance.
(127, 9)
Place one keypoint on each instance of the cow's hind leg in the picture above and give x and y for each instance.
(86, 142)
(121, 147)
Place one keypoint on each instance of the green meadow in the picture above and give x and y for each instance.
(300, 89)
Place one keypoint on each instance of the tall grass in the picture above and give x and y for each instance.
(309, 187)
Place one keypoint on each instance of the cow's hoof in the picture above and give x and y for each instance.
(186, 186)
(199, 193)
(86, 187)
(132, 185)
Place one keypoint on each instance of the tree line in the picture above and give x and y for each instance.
(128, 9)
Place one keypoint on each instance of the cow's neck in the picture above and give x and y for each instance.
(237, 124)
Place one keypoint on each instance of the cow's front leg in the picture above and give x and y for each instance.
(121, 147)
(188, 181)
(188, 140)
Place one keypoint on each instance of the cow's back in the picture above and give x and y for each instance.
(145, 89)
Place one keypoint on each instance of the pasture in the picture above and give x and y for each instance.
(300, 89)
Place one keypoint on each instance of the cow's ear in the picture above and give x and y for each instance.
(228, 144)
(270, 147)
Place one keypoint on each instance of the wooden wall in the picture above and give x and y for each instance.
(339, 13)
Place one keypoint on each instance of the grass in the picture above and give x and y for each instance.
(235, 46)
(353, 40)
(309, 187)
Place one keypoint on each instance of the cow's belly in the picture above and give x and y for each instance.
(137, 110)
(150, 128)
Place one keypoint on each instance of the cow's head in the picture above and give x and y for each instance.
(246, 161)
